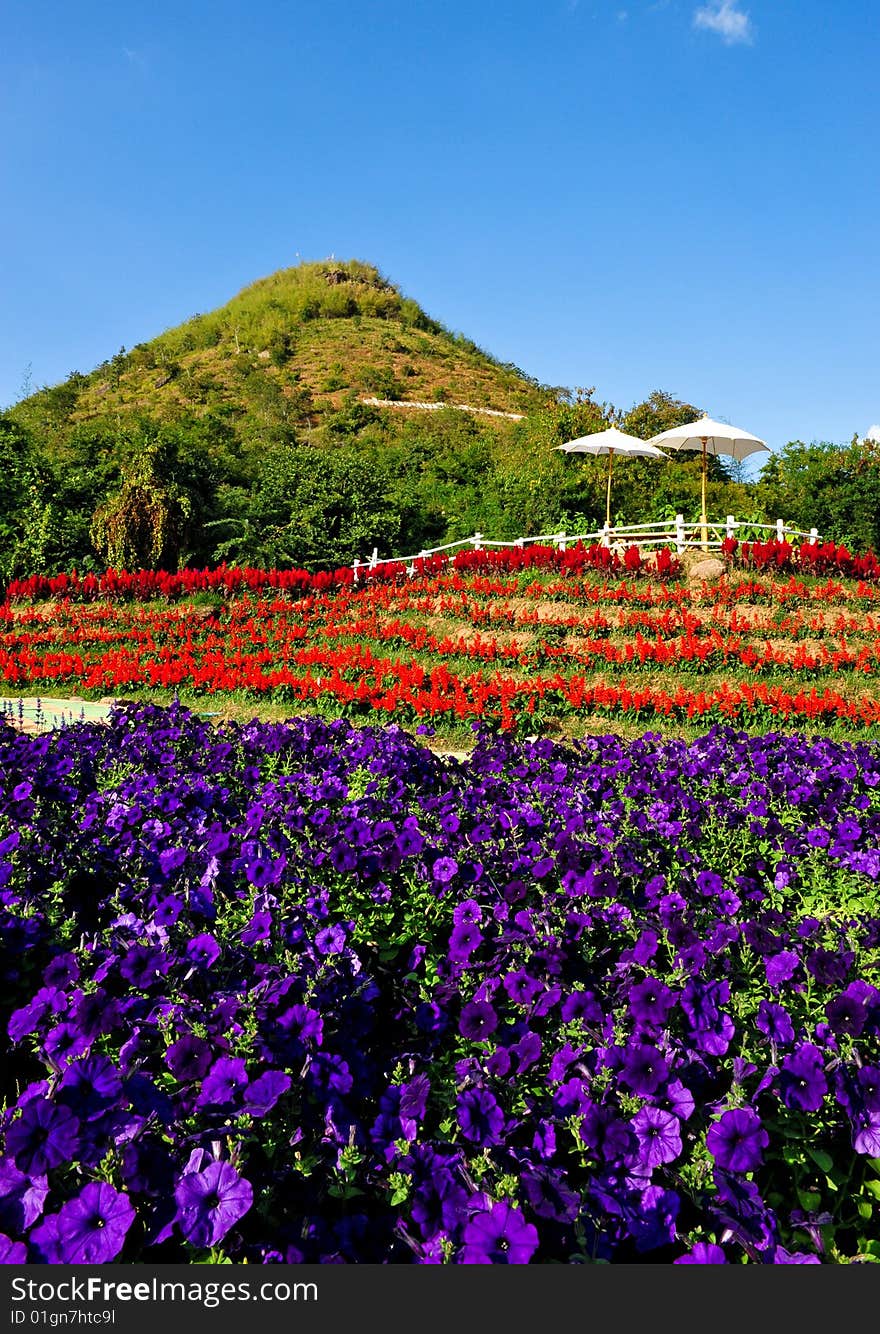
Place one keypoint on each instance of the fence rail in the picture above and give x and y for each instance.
(680, 535)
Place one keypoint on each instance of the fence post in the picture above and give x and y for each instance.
(519, 541)
(780, 530)
(814, 534)
(560, 541)
(374, 559)
(476, 540)
(679, 532)
(355, 568)
(606, 535)
(731, 525)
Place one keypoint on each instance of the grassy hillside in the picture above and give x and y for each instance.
(293, 346)
(243, 435)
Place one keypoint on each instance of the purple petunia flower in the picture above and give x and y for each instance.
(521, 987)
(444, 869)
(527, 1051)
(644, 1067)
(227, 1077)
(781, 967)
(21, 1198)
(64, 1043)
(480, 1117)
(499, 1235)
(189, 1058)
(802, 1080)
(261, 1096)
(342, 857)
(652, 1224)
(868, 1080)
(848, 1013)
(410, 842)
(12, 1252)
(27, 1019)
(210, 1202)
(783, 1257)
(44, 1136)
(89, 1086)
(703, 1253)
(659, 1136)
(61, 970)
(143, 967)
(93, 1226)
(775, 1023)
(478, 1020)
(676, 1098)
(463, 940)
(94, 1013)
(549, 1196)
(330, 940)
(866, 1136)
(45, 1241)
(582, 1005)
(606, 1135)
(650, 1002)
(571, 1098)
(171, 860)
(258, 928)
(709, 883)
(467, 913)
(737, 1140)
(203, 950)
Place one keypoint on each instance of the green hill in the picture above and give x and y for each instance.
(258, 433)
(288, 350)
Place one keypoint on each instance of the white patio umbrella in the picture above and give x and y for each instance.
(612, 442)
(710, 437)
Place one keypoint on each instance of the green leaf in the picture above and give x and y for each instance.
(823, 1160)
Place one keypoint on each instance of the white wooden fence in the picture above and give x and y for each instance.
(678, 535)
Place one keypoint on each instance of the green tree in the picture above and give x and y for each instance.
(311, 508)
(25, 515)
(660, 411)
(834, 488)
(142, 524)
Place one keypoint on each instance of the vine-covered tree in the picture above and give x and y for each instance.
(142, 524)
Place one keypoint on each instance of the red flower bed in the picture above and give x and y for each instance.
(161, 585)
(810, 557)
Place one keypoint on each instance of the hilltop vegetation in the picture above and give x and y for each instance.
(286, 352)
(243, 435)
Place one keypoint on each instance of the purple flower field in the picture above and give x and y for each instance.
(303, 992)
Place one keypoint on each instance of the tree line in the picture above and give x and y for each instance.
(147, 493)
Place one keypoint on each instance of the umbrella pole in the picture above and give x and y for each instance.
(703, 520)
(608, 491)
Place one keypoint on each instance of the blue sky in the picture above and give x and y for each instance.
(625, 194)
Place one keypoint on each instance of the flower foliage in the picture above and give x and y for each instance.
(305, 992)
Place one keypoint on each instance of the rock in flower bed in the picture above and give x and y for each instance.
(310, 993)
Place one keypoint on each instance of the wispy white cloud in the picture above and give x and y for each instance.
(722, 17)
(873, 433)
